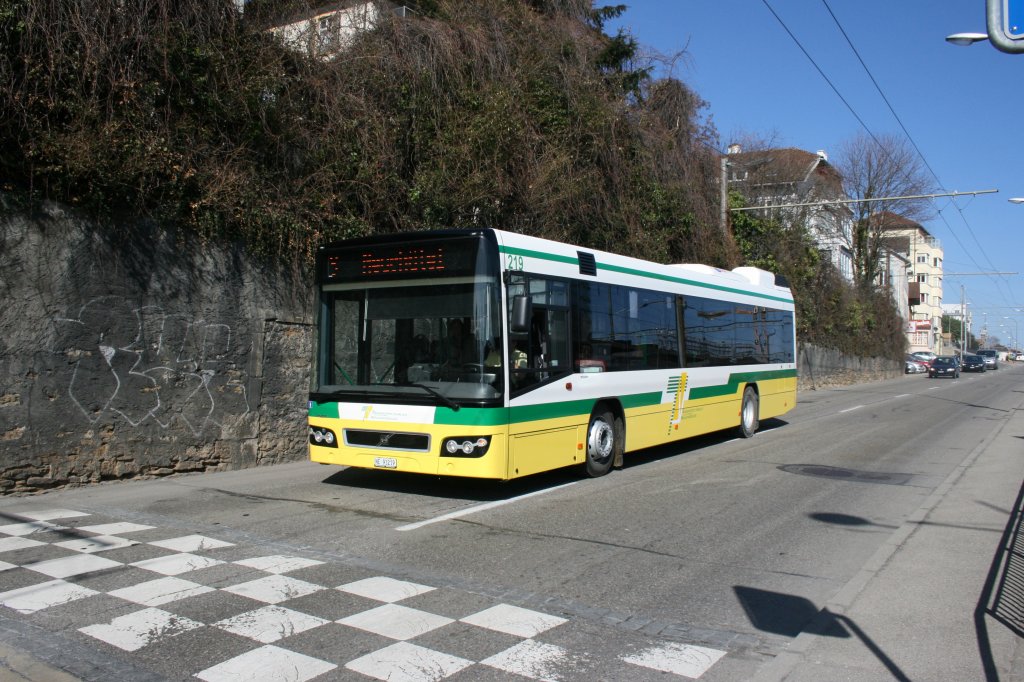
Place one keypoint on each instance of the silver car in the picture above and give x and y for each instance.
(991, 358)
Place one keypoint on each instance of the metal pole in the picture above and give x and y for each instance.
(724, 198)
(862, 201)
(963, 323)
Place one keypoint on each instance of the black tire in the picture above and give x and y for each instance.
(749, 413)
(602, 443)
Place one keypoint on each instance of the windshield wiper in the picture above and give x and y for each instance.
(448, 402)
(437, 394)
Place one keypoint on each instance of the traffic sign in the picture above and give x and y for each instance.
(1013, 19)
(1005, 20)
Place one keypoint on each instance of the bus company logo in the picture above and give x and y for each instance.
(367, 410)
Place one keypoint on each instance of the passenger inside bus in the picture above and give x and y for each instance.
(459, 349)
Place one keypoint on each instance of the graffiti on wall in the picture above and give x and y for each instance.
(145, 365)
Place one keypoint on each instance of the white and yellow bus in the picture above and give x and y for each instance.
(489, 354)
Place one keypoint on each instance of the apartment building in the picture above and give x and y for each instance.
(924, 274)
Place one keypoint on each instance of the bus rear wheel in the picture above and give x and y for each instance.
(749, 411)
(601, 443)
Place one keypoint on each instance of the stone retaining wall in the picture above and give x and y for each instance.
(824, 367)
(142, 356)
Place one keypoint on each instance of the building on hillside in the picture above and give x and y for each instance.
(893, 275)
(323, 31)
(783, 177)
(924, 291)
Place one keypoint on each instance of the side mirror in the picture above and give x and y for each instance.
(522, 311)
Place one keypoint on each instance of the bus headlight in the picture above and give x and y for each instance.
(466, 446)
(324, 437)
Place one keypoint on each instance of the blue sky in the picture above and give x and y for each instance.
(963, 107)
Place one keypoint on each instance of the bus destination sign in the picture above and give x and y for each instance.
(386, 262)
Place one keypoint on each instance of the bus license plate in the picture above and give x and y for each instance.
(385, 462)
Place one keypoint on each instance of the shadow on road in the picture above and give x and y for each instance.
(789, 615)
(485, 490)
(468, 489)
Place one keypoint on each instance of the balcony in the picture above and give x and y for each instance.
(914, 293)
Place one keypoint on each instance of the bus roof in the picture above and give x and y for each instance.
(565, 259)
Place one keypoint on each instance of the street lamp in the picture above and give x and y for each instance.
(966, 38)
(1016, 331)
(1016, 200)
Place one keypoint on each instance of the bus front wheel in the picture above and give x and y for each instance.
(749, 411)
(601, 443)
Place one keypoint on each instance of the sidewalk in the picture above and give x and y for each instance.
(943, 599)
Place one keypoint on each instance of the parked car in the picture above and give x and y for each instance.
(973, 363)
(925, 356)
(990, 356)
(944, 366)
(915, 366)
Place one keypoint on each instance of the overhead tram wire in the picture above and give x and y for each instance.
(913, 143)
(882, 94)
(821, 72)
(843, 99)
(865, 127)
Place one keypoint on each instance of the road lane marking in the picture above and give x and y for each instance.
(850, 409)
(478, 508)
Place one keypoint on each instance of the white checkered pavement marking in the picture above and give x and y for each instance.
(44, 595)
(274, 589)
(385, 589)
(270, 623)
(96, 543)
(396, 622)
(115, 528)
(513, 620)
(176, 564)
(267, 664)
(405, 662)
(191, 543)
(160, 591)
(68, 566)
(687, 660)
(400, 661)
(51, 514)
(135, 630)
(28, 527)
(278, 563)
(12, 544)
(529, 658)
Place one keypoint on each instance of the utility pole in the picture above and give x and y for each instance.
(723, 189)
(963, 323)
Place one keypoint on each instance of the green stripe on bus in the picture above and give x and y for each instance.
(516, 251)
(733, 385)
(637, 273)
(471, 416)
(494, 416)
(329, 410)
(576, 408)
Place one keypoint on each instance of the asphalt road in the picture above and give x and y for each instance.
(701, 561)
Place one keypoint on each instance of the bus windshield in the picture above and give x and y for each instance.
(416, 337)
